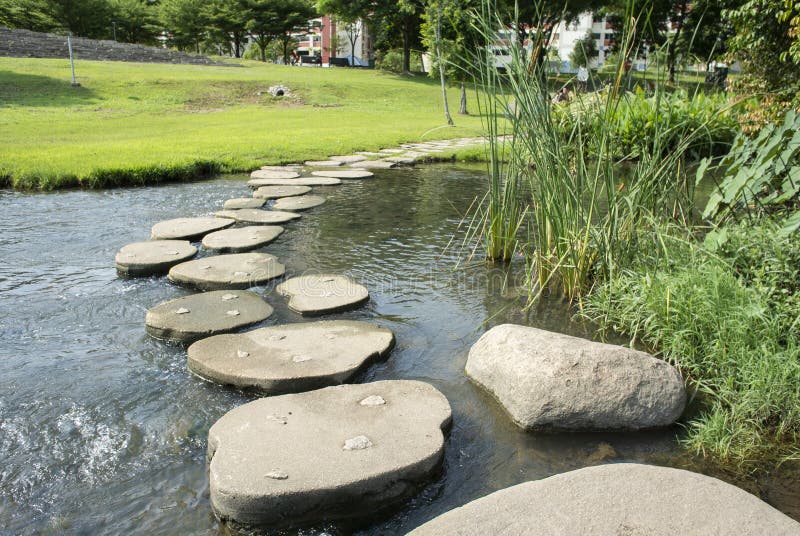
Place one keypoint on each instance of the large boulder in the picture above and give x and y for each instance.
(335, 453)
(547, 380)
(617, 499)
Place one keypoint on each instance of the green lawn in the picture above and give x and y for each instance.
(141, 123)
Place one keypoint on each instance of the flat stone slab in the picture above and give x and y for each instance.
(193, 317)
(241, 238)
(320, 294)
(402, 160)
(343, 174)
(323, 163)
(335, 453)
(374, 164)
(304, 181)
(547, 380)
(349, 159)
(243, 202)
(188, 228)
(274, 174)
(276, 192)
(291, 358)
(254, 215)
(391, 151)
(302, 202)
(239, 270)
(617, 499)
(287, 167)
(152, 257)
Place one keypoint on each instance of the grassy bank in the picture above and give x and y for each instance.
(143, 123)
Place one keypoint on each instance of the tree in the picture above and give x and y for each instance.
(28, 14)
(136, 21)
(185, 21)
(276, 20)
(706, 32)
(228, 19)
(87, 18)
(352, 14)
(584, 52)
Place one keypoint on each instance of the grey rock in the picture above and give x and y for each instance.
(242, 238)
(305, 181)
(291, 358)
(344, 174)
(549, 380)
(188, 228)
(243, 202)
(320, 480)
(323, 163)
(240, 270)
(349, 159)
(257, 216)
(274, 174)
(193, 317)
(319, 294)
(391, 151)
(617, 499)
(402, 160)
(302, 202)
(374, 164)
(287, 167)
(276, 192)
(152, 257)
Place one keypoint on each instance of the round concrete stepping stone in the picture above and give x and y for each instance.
(240, 270)
(276, 192)
(374, 164)
(302, 202)
(334, 453)
(623, 498)
(320, 294)
(243, 202)
(193, 317)
(242, 238)
(349, 159)
(152, 257)
(274, 174)
(254, 215)
(305, 181)
(344, 174)
(287, 167)
(188, 228)
(323, 163)
(392, 151)
(290, 358)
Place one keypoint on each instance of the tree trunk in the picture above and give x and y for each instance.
(438, 37)
(463, 109)
(285, 44)
(237, 41)
(406, 49)
(263, 50)
(671, 50)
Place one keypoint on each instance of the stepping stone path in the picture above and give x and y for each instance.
(374, 164)
(242, 238)
(344, 174)
(623, 498)
(349, 159)
(335, 453)
(302, 202)
(152, 257)
(305, 181)
(322, 293)
(290, 358)
(288, 167)
(402, 160)
(274, 174)
(188, 228)
(323, 163)
(243, 202)
(254, 215)
(276, 192)
(240, 270)
(193, 317)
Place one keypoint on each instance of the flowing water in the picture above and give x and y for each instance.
(103, 430)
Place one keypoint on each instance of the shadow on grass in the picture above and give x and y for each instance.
(18, 89)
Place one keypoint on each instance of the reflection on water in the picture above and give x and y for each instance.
(102, 429)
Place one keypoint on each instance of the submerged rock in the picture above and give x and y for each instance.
(193, 317)
(240, 270)
(257, 216)
(343, 174)
(152, 257)
(299, 459)
(349, 159)
(243, 202)
(549, 380)
(290, 358)
(615, 499)
(188, 228)
(276, 192)
(322, 293)
(304, 181)
(242, 238)
(302, 202)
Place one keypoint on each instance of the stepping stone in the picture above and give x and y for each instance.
(276, 192)
(402, 160)
(193, 317)
(287, 167)
(335, 453)
(370, 153)
(274, 174)
(188, 228)
(624, 498)
(241, 238)
(305, 181)
(349, 159)
(322, 293)
(254, 215)
(343, 174)
(243, 202)
(323, 163)
(391, 151)
(302, 202)
(290, 358)
(152, 257)
(414, 154)
(240, 270)
(374, 164)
